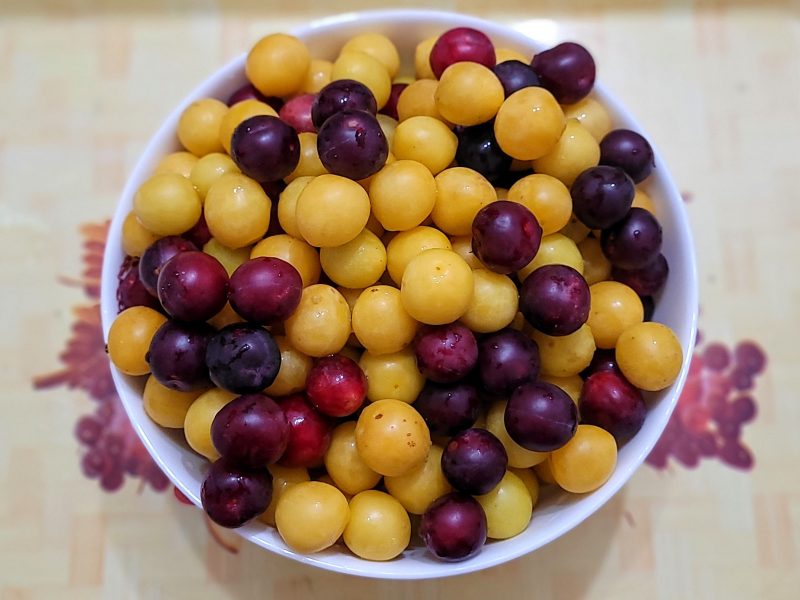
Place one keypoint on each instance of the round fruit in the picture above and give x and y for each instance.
(555, 299)
(518, 456)
(448, 408)
(507, 359)
(629, 151)
(585, 462)
(437, 287)
(602, 196)
(505, 236)
(446, 353)
(344, 463)
(265, 148)
(311, 515)
(529, 123)
(336, 386)
(515, 75)
(177, 355)
(321, 323)
(609, 401)
(243, 358)
(351, 143)
(265, 290)
(309, 433)
(193, 286)
(392, 437)
(634, 241)
(130, 336)
(331, 210)
(649, 355)
(541, 416)
(567, 70)
(647, 280)
(461, 44)
(233, 495)
(478, 150)
(454, 527)
(379, 527)
(251, 431)
(474, 461)
(341, 95)
(418, 488)
(508, 507)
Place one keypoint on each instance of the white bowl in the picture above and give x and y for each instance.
(557, 512)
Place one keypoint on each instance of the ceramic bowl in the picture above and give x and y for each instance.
(557, 512)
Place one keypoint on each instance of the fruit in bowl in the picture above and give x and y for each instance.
(378, 259)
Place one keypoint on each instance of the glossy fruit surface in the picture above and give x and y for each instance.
(454, 527)
(541, 416)
(232, 495)
(474, 461)
(243, 358)
(555, 299)
(251, 431)
(265, 148)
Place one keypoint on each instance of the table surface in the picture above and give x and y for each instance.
(84, 84)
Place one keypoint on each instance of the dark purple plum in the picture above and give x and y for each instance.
(341, 95)
(515, 75)
(390, 108)
(602, 196)
(453, 527)
(446, 353)
(628, 151)
(351, 144)
(231, 496)
(130, 289)
(478, 150)
(154, 257)
(649, 306)
(177, 355)
(265, 148)
(647, 280)
(297, 113)
(541, 416)
(265, 290)
(505, 236)
(243, 358)
(474, 461)
(249, 92)
(193, 286)
(507, 359)
(461, 44)
(633, 242)
(448, 408)
(509, 178)
(604, 359)
(555, 299)
(273, 190)
(251, 431)
(567, 71)
(199, 234)
(609, 401)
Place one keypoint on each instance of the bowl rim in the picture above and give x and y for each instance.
(390, 569)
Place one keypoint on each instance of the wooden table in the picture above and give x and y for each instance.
(84, 84)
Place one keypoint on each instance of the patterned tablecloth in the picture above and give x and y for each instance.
(715, 512)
